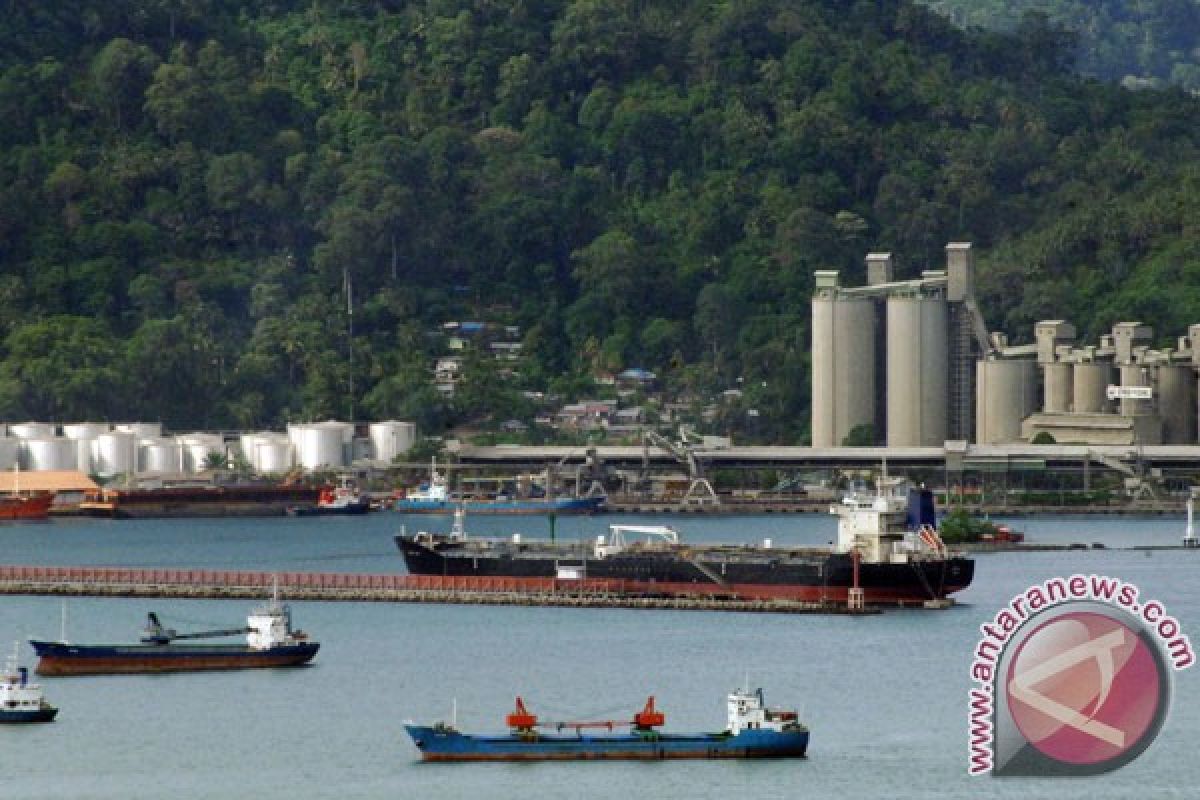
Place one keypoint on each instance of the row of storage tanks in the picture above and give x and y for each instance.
(103, 449)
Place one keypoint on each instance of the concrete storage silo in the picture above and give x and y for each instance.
(391, 439)
(843, 363)
(9, 452)
(917, 370)
(1177, 403)
(1089, 387)
(159, 454)
(31, 430)
(48, 454)
(115, 453)
(1057, 384)
(1135, 376)
(1005, 394)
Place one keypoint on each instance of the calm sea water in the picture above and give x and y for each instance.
(885, 696)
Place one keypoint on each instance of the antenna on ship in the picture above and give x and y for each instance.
(1189, 534)
(62, 636)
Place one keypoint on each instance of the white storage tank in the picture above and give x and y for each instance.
(1089, 387)
(1058, 379)
(115, 453)
(84, 452)
(160, 454)
(843, 366)
(268, 452)
(49, 454)
(142, 430)
(9, 452)
(1005, 394)
(1177, 403)
(323, 444)
(32, 430)
(84, 430)
(196, 449)
(918, 370)
(391, 439)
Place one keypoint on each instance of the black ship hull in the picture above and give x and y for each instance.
(809, 575)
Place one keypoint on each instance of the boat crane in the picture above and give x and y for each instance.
(700, 491)
(155, 633)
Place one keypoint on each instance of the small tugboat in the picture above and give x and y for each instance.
(753, 731)
(20, 700)
(270, 642)
(345, 498)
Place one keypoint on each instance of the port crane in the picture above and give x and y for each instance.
(700, 491)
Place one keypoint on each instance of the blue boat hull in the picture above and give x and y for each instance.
(443, 744)
(20, 717)
(588, 505)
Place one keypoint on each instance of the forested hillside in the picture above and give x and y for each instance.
(193, 194)
(1138, 42)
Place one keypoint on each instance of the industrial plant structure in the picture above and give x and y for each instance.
(913, 359)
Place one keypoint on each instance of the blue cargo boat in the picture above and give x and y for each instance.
(754, 731)
(434, 497)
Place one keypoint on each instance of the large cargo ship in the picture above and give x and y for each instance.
(753, 731)
(270, 642)
(434, 497)
(887, 552)
(198, 501)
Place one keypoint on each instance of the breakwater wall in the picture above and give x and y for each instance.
(361, 587)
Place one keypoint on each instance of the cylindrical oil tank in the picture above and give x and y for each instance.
(1005, 394)
(31, 430)
(843, 367)
(268, 452)
(1089, 387)
(1135, 375)
(391, 439)
(48, 454)
(159, 454)
(917, 371)
(115, 453)
(9, 452)
(142, 430)
(84, 454)
(1057, 383)
(1176, 389)
(84, 430)
(197, 450)
(322, 444)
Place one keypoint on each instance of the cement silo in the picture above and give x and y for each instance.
(843, 366)
(115, 453)
(391, 439)
(1137, 378)
(1089, 387)
(9, 452)
(1177, 403)
(1005, 394)
(917, 370)
(160, 454)
(1057, 383)
(48, 454)
(32, 430)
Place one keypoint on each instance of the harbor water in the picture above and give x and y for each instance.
(884, 695)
